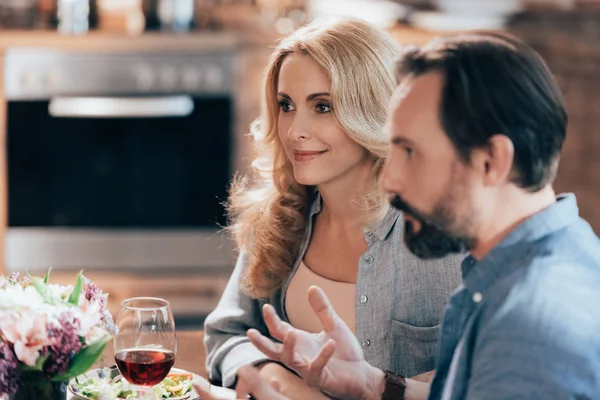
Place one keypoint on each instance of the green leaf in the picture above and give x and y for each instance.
(47, 277)
(74, 297)
(84, 359)
(41, 288)
(39, 365)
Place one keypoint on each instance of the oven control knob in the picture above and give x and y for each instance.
(51, 79)
(168, 78)
(145, 78)
(214, 77)
(27, 80)
(191, 78)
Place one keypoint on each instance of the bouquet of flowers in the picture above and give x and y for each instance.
(49, 334)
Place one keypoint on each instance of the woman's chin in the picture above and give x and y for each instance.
(308, 178)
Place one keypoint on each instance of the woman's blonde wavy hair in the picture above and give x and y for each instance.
(267, 209)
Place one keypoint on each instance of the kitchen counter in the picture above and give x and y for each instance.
(98, 41)
(193, 294)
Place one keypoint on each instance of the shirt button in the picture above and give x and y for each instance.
(366, 343)
(369, 259)
(477, 297)
(363, 299)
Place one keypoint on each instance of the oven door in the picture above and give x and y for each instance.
(118, 182)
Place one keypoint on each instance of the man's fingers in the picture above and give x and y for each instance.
(204, 395)
(202, 387)
(323, 308)
(250, 382)
(315, 367)
(276, 327)
(287, 355)
(271, 349)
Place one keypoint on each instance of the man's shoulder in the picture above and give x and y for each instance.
(559, 263)
(577, 243)
(546, 324)
(553, 294)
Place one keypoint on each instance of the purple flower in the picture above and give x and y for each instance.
(65, 344)
(9, 373)
(94, 295)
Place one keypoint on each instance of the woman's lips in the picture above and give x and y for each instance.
(307, 155)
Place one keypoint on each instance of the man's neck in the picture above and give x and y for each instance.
(512, 208)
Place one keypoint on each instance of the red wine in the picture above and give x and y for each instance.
(144, 367)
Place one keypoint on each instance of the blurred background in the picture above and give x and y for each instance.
(123, 122)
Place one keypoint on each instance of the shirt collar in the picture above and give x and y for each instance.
(517, 245)
(380, 230)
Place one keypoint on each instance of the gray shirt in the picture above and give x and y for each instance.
(525, 324)
(398, 306)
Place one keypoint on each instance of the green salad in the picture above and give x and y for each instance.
(102, 389)
(174, 386)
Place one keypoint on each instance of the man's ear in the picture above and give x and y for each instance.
(494, 161)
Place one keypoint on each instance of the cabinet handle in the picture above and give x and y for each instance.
(121, 107)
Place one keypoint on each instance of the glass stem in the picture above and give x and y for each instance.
(145, 393)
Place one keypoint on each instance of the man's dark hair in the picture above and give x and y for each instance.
(496, 84)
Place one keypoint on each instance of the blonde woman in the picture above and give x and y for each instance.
(311, 214)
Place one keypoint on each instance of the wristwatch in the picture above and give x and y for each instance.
(395, 387)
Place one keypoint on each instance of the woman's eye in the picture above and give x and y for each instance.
(323, 108)
(285, 106)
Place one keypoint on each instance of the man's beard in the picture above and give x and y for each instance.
(434, 239)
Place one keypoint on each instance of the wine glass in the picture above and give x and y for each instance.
(145, 344)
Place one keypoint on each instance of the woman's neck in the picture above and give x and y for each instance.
(340, 198)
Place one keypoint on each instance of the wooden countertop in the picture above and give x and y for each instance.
(99, 41)
(111, 42)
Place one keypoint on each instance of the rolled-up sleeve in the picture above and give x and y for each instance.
(227, 346)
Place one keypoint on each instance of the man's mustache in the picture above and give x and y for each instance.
(432, 240)
(398, 203)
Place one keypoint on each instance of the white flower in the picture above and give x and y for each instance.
(59, 292)
(14, 296)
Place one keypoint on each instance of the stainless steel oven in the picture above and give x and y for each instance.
(118, 160)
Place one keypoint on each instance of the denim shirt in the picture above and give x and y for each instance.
(398, 303)
(525, 324)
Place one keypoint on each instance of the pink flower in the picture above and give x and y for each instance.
(26, 330)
